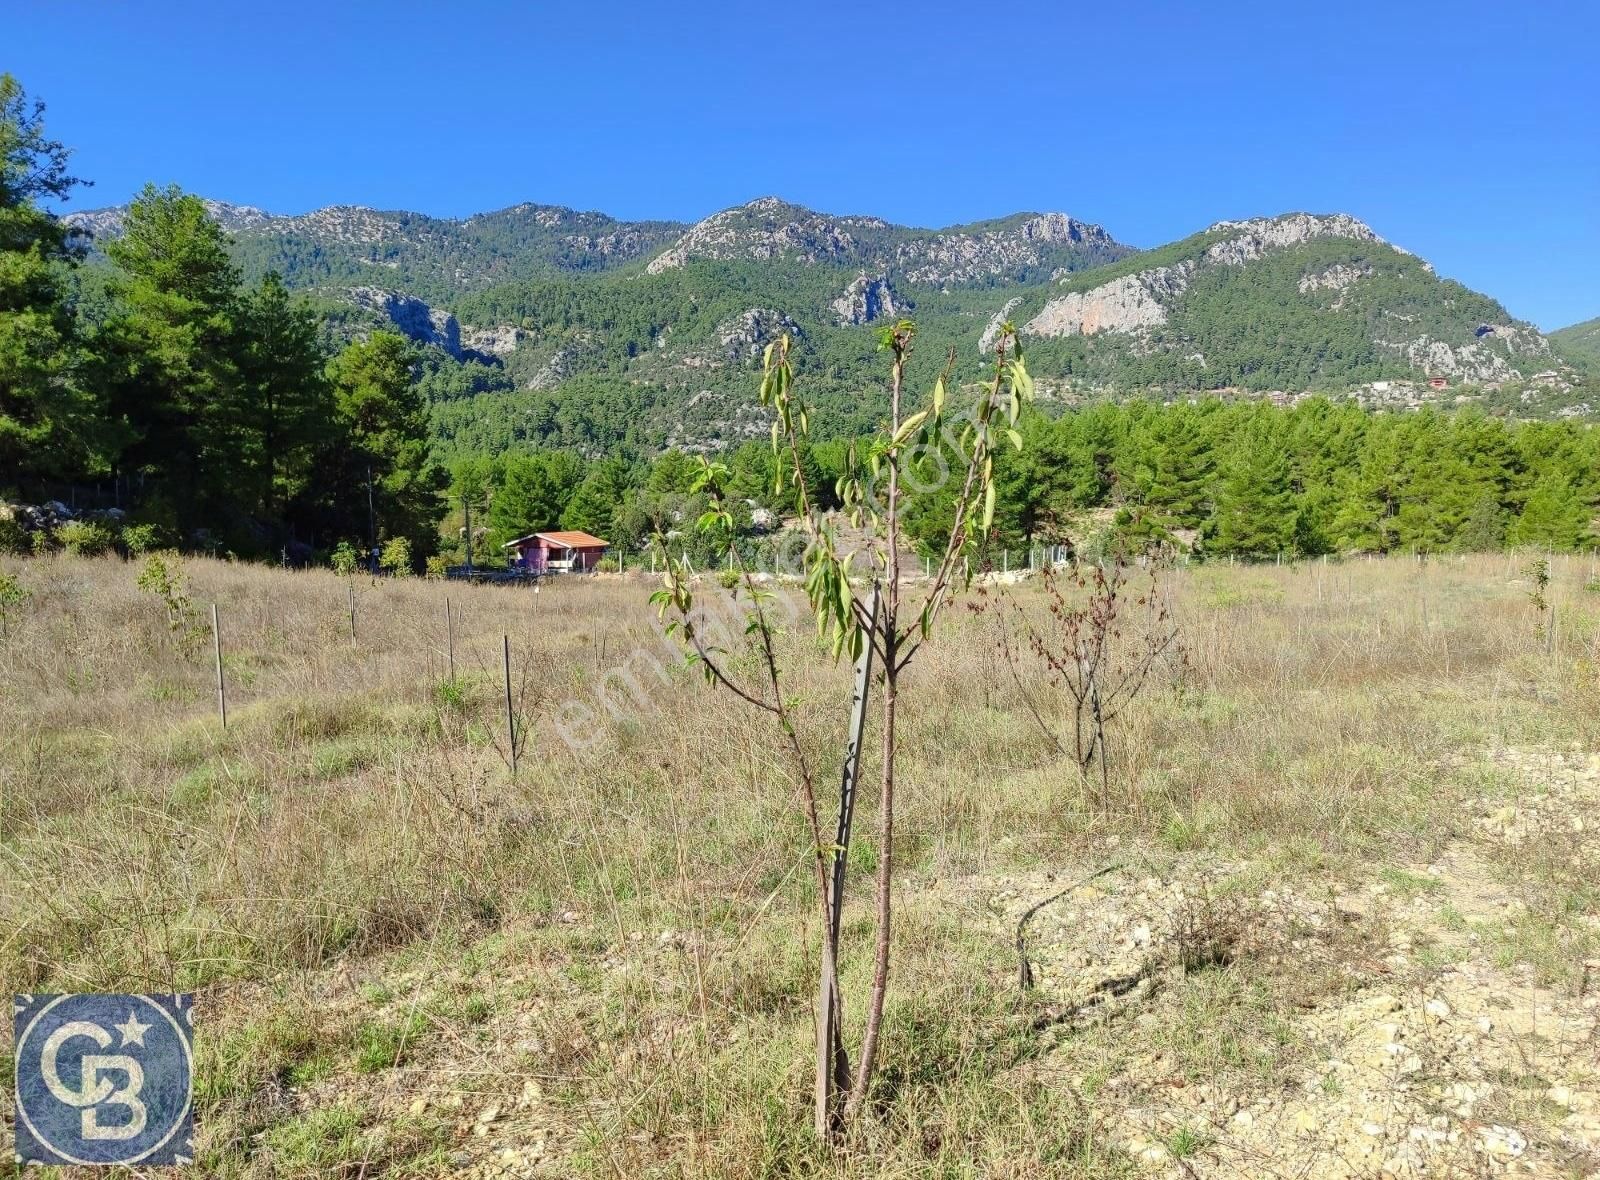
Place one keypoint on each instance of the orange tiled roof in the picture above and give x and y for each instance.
(570, 539)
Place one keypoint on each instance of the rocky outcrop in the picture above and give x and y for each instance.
(986, 341)
(767, 228)
(960, 257)
(1123, 305)
(1334, 278)
(867, 299)
(107, 223)
(1477, 363)
(747, 334)
(414, 318)
(741, 338)
(1252, 239)
(501, 340)
(565, 362)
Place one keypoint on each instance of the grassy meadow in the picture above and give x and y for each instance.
(408, 962)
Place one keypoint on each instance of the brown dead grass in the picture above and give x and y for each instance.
(351, 860)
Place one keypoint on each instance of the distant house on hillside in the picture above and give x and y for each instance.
(555, 553)
(1437, 382)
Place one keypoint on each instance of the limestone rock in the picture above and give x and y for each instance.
(867, 299)
(414, 318)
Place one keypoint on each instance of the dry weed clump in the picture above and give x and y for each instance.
(350, 869)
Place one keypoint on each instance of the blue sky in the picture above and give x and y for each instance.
(1467, 132)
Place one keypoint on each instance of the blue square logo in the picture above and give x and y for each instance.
(104, 1079)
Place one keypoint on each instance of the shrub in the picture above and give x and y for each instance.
(345, 559)
(436, 566)
(162, 576)
(139, 539)
(87, 538)
(13, 536)
(12, 595)
(396, 557)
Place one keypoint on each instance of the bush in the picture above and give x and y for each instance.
(13, 537)
(345, 559)
(162, 576)
(87, 538)
(139, 539)
(12, 595)
(436, 566)
(396, 557)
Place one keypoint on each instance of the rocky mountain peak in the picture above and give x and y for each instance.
(770, 228)
(107, 223)
(766, 228)
(1250, 239)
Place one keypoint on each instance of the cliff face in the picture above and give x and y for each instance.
(412, 317)
(1122, 305)
(867, 299)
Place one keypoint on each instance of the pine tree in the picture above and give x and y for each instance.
(382, 443)
(181, 391)
(597, 498)
(288, 402)
(1484, 530)
(1174, 469)
(1556, 515)
(48, 424)
(1255, 504)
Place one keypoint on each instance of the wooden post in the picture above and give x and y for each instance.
(833, 1064)
(350, 596)
(216, 649)
(511, 720)
(450, 639)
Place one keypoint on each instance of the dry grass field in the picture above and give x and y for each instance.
(1347, 923)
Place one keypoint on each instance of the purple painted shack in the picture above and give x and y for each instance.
(555, 552)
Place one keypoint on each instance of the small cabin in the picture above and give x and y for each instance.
(555, 553)
(1437, 382)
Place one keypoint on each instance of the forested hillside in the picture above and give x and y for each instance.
(552, 328)
(1580, 343)
(241, 382)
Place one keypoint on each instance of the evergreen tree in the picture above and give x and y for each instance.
(1556, 515)
(1174, 467)
(597, 499)
(382, 443)
(534, 493)
(288, 402)
(1484, 530)
(180, 392)
(1255, 504)
(48, 424)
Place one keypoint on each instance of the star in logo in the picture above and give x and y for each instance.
(132, 1030)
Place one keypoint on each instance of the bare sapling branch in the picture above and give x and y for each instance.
(1096, 643)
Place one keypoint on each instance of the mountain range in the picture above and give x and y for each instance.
(547, 326)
